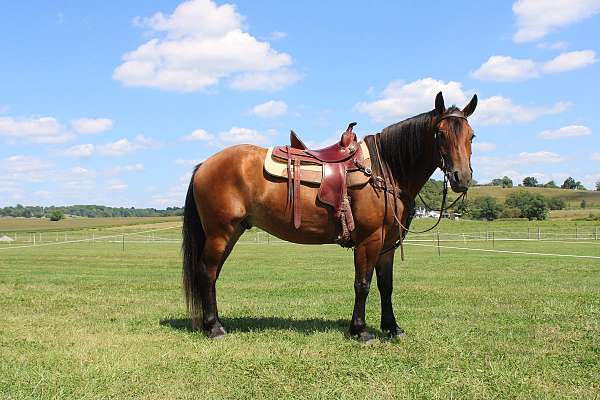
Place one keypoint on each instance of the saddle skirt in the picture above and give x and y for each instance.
(312, 174)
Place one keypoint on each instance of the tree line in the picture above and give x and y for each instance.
(90, 211)
(531, 181)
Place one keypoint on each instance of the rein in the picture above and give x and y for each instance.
(382, 183)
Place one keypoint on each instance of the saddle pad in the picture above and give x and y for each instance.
(314, 173)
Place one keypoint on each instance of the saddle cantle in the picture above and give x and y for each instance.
(335, 162)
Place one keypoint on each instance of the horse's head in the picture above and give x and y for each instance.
(453, 136)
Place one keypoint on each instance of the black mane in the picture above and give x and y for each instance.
(401, 144)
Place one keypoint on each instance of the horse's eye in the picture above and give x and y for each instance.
(473, 137)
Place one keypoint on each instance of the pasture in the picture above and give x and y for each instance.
(105, 318)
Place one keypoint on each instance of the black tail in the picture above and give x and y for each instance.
(193, 244)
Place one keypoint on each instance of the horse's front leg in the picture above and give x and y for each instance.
(385, 283)
(366, 255)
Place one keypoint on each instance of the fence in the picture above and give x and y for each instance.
(172, 235)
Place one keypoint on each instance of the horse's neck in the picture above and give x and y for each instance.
(421, 171)
(414, 181)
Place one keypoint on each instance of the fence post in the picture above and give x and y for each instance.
(34, 238)
(493, 240)
(576, 232)
(123, 242)
(438, 243)
(596, 233)
(528, 233)
(539, 234)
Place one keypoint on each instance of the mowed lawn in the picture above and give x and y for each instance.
(90, 321)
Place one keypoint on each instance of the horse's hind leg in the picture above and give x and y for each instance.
(216, 250)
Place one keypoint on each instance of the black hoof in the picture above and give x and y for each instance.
(395, 332)
(216, 332)
(364, 337)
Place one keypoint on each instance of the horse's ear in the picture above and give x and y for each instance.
(470, 108)
(439, 104)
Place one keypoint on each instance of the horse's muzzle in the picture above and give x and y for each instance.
(459, 181)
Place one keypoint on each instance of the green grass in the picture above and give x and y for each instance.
(89, 321)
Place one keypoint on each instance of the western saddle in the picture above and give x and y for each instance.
(336, 160)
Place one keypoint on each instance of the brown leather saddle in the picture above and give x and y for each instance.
(337, 160)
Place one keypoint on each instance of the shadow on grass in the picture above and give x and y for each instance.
(253, 324)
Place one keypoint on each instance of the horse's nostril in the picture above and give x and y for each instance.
(456, 176)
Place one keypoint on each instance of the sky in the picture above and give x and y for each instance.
(114, 102)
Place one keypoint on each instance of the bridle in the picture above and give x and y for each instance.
(395, 193)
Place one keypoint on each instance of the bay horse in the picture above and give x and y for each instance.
(230, 192)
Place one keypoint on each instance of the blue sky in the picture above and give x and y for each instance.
(113, 102)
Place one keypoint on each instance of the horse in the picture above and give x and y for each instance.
(230, 192)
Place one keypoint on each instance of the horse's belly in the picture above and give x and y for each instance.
(273, 212)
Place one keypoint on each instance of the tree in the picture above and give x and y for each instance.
(531, 205)
(486, 207)
(530, 181)
(505, 182)
(598, 186)
(555, 203)
(571, 183)
(56, 215)
(583, 204)
(550, 184)
(431, 194)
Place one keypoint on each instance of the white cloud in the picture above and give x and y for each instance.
(117, 169)
(200, 44)
(402, 100)
(117, 186)
(537, 18)
(198, 134)
(189, 163)
(242, 135)
(516, 166)
(270, 81)
(483, 146)
(560, 45)
(498, 110)
(88, 126)
(175, 195)
(20, 168)
(566, 131)
(270, 109)
(570, 61)
(506, 68)
(34, 129)
(538, 157)
(595, 157)
(277, 35)
(125, 146)
(79, 151)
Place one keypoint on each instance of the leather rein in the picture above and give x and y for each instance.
(382, 183)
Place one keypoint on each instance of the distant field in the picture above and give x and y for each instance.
(44, 224)
(95, 320)
(572, 197)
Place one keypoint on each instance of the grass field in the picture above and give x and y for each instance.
(88, 320)
(10, 224)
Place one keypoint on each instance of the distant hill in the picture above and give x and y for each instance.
(571, 197)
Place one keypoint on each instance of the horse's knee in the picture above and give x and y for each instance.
(362, 287)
